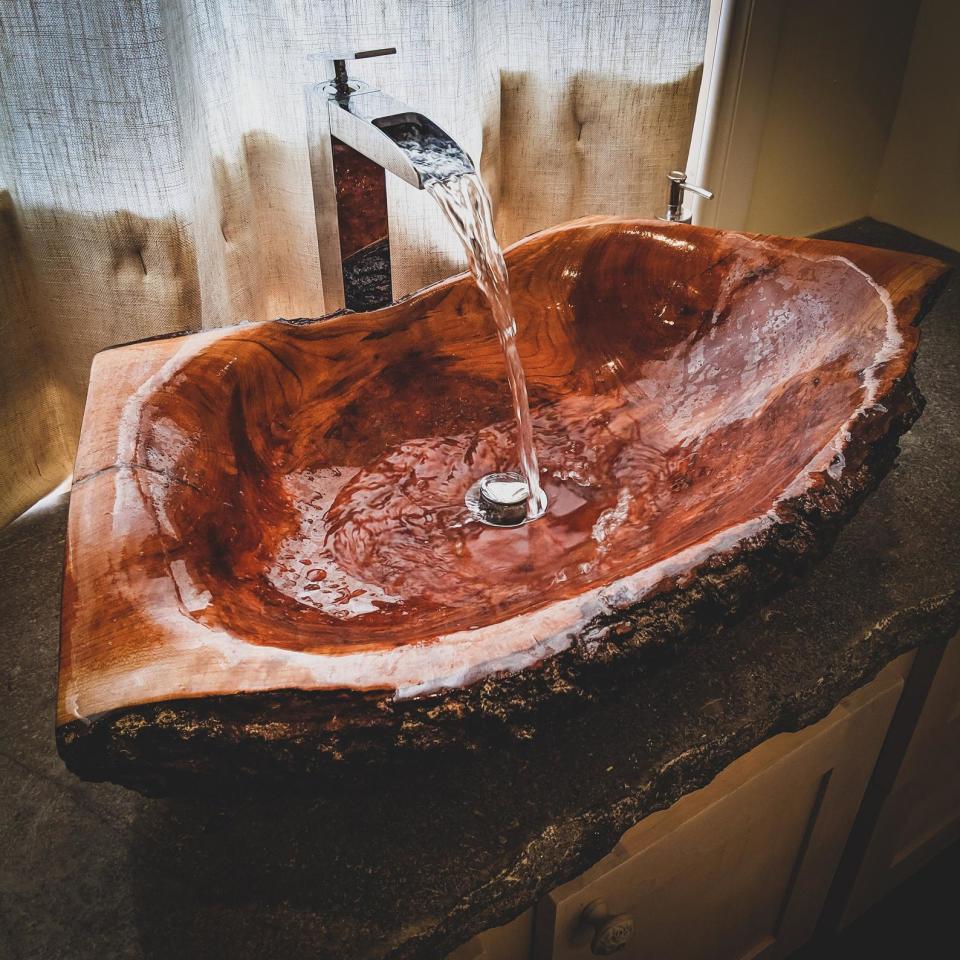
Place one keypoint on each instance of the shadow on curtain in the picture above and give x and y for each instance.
(154, 174)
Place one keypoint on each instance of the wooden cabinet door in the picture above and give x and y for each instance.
(510, 942)
(740, 868)
(921, 814)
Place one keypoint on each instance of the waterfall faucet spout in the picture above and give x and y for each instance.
(356, 134)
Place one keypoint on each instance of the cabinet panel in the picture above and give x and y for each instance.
(512, 941)
(740, 868)
(921, 814)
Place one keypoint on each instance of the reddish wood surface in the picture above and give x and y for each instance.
(277, 507)
(361, 199)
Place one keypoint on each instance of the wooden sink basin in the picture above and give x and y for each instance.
(269, 560)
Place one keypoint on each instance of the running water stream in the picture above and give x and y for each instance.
(465, 201)
(449, 178)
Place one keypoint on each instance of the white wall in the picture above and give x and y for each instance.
(833, 96)
(832, 110)
(918, 187)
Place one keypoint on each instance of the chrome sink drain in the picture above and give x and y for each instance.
(500, 500)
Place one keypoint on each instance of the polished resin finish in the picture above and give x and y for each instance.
(280, 506)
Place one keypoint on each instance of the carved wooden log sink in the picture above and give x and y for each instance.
(269, 560)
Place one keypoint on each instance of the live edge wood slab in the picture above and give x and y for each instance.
(268, 571)
(407, 862)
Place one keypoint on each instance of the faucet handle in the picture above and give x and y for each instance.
(678, 186)
(339, 60)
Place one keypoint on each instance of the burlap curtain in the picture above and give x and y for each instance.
(154, 174)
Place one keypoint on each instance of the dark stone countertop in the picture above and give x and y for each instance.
(412, 862)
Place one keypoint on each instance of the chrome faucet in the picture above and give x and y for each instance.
(356, 133)
(678, 186)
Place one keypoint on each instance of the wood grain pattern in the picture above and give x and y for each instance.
(361, 199)
(363, 224)
(274, 510)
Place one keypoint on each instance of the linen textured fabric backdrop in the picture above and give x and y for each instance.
(154, 173)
